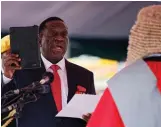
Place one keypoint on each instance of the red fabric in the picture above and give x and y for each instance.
(56, 88)
(155, 67)
(106, 113)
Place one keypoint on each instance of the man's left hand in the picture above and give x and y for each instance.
(87, 116)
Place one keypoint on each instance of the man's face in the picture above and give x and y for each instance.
(54, 41)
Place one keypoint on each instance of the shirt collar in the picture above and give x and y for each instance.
(47, 63)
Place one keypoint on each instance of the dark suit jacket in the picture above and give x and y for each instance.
(42, 112)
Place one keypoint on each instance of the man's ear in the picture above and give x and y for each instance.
(68, 40)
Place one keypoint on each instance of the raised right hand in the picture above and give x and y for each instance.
(10, 63)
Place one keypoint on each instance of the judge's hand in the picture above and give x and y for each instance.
(87, 116)
(10, 63)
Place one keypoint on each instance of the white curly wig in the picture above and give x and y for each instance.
(145, 37)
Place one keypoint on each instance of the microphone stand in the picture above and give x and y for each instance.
(23, 98)
(18, 106)
(15, 113)
(7, 118)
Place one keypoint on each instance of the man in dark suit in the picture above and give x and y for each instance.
(69, 78)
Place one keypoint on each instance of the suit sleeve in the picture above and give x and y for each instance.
(106, 113)
(91, 88)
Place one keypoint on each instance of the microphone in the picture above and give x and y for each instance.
(43, 84)
(48, 77)
(27, 98)
(9, 108)
(40, 87)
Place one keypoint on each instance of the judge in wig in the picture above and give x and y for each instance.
(133, 96)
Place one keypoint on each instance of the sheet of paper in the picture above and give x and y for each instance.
(79, 105)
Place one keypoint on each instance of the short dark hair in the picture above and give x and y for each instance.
(42, 25)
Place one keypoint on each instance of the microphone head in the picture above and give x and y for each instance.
(48, 75)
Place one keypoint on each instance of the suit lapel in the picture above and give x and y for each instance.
(71, 78)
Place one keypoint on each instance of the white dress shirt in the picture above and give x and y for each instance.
(62, 73)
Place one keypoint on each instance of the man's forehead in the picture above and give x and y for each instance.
(55, 24)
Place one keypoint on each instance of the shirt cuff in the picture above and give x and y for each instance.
(6, 80)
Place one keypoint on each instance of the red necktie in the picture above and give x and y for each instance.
(56, 87)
